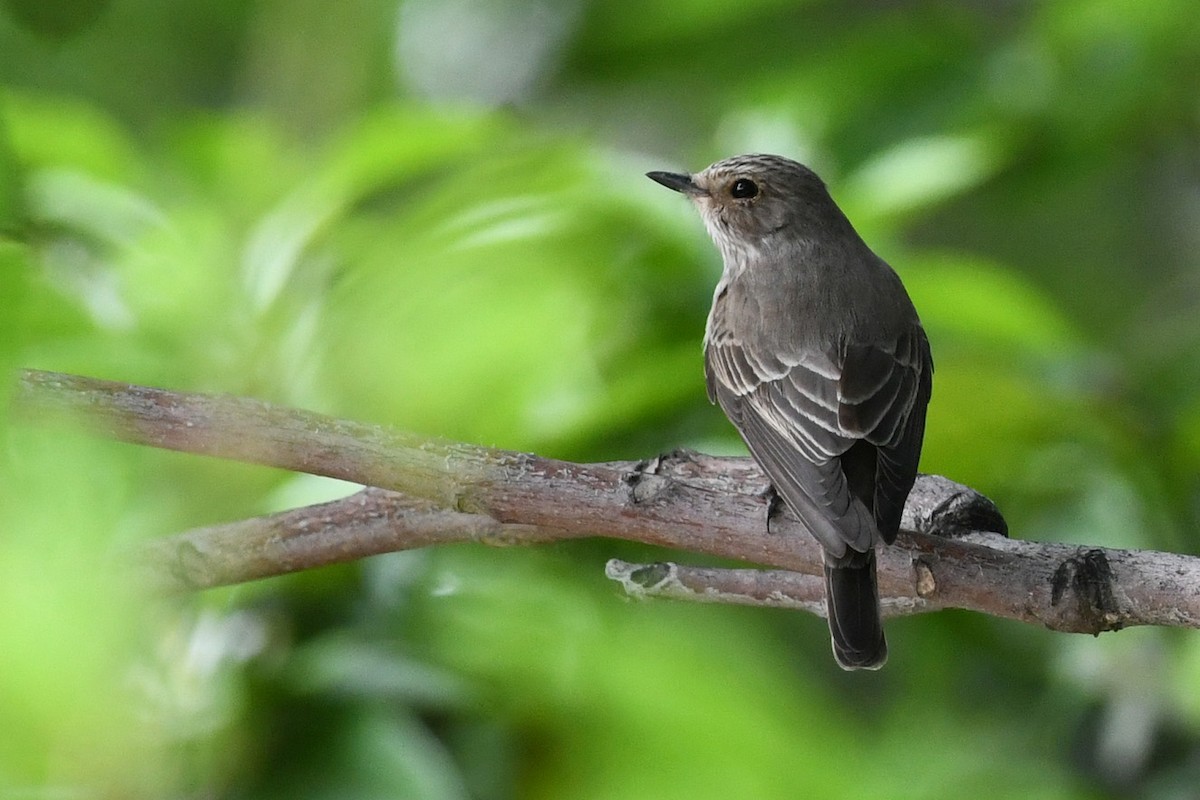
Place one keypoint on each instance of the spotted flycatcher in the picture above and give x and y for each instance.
(815, 353)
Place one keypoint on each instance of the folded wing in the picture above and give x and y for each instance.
(800, 412)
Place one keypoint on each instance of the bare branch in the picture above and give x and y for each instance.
(367, 523)
(684, 501)
(747, 587)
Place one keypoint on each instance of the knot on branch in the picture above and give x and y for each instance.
(951, 509)
(643, 481)
(651, 575)
(1088, 578)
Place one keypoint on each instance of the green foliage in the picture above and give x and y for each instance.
(297, 202)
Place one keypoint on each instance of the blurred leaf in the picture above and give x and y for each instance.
(512, 278)
(11, 206)
(587, 676)
(14, 329)
(918, 173)
(57, 19)
(373, 754)
(70, 133)
(337, 664)
(965, 298)
(71, 627)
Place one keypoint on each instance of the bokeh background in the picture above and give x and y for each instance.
(432, 214)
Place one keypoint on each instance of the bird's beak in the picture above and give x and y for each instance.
(673, 180)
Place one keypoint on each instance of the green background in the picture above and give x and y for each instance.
(433, 215)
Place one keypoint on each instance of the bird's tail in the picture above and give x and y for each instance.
(852, 600)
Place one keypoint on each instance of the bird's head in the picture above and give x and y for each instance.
(748, 200)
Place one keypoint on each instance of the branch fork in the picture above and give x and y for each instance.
(952, 551)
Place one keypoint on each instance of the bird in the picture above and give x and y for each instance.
(814, 351)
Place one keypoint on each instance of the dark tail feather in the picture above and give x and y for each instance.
(852, 599)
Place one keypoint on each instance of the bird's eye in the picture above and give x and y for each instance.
(743, 188)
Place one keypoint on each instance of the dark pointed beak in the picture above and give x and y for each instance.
(673, 180)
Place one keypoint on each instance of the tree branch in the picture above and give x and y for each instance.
(432, 492)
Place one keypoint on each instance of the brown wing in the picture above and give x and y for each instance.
(801, 412)
(884, 393)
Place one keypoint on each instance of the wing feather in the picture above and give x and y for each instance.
(800, 412)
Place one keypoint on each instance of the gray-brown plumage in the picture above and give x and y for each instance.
(814, 351)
